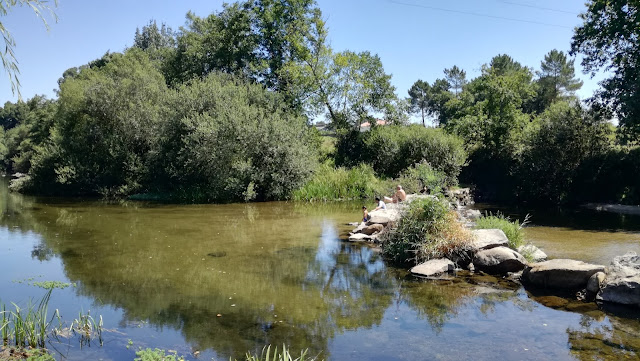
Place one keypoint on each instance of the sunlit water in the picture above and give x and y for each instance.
(217, 281)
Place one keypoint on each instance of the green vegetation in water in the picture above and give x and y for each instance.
(427, 230)
(15, 354)
(512, 229)
(157, 355)
(87, 328)
(49, 285)
(278, 355)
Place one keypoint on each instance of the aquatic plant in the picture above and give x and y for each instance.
(427, 230)
(283, 355)
(156, 355)
(512, 229)
(26, 327)
(87, 327)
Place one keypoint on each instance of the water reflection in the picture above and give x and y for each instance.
(232, 278)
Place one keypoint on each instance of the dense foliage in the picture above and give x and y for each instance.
(220, 110)
(428, 230)
(512, 229)
(392, 149)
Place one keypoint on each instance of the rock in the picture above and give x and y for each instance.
(374, 228)
(534, 253)
(472, 214)
(359, 237)
(552, 301)
(488, 238)
(499, 260)
(560, 273)
(433, 267)
(360, 228)
(595, 282)
(622, 282)
(354, 224)
(384, 216)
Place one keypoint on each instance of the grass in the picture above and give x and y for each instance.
(427, 230)
(87, 327)
(275, 355)
(512, 229)
(26, 327)
(156, 355)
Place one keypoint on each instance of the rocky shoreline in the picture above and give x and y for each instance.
(619, 283)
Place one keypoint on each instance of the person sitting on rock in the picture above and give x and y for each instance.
(399, 196)
(365, 214)
(381, 204)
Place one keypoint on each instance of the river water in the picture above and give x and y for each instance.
(216, 281)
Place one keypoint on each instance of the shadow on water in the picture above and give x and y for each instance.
(574, 218)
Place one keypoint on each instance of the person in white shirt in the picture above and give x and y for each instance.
(381, 204)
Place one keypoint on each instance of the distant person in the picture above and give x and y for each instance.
(365, 214)
(381, 204)
(399, 196)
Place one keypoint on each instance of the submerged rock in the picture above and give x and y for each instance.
(535, 253)
(560, 273)
(360, 237)
(622, 282)
(433, 267)
(499, 260)
(488, 238)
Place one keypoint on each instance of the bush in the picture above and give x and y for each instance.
(329, 184)
(512, 229)
(427, 230)
(392, 149)
(229, 140)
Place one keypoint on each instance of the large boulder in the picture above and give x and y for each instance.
(488, 238)
(595, 282)
(534, 253)
(622, 282)
(384, 216)
(499, 260)
(433, 267)
(560, 273)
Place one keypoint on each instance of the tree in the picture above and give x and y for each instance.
(419, 96)
(152, 37)
(609, 40)
(556, 79)
(456, 78)
(8, 57)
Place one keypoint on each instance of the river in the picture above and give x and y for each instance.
(216, 281)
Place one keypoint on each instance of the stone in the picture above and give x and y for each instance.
(372, 229)
(359, 237)
(622, 281)
(472, 214)
(360, 228)
(433, 267)
(499, 260)
(534, 253)
(595, 282)
(488, 238)
(384, 216)
(560, 273)
(552, 301)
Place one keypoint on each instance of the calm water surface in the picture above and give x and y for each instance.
(225, 279)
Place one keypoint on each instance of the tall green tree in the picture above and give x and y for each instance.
(419, 99)
(153, 37)
(609, 39)
(457, 78)
(556, 79)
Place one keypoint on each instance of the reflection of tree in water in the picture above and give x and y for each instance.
(617, 340)
(436, 301)
(153, 263)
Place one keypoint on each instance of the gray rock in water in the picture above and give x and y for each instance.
(433, 267)
(359, 237)
(499, 260)
(595, 282)
(488, 238)
(622, 282)
(536, 253)
(560, 273)
(372, 229)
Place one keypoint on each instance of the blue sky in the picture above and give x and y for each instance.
(416, 39)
